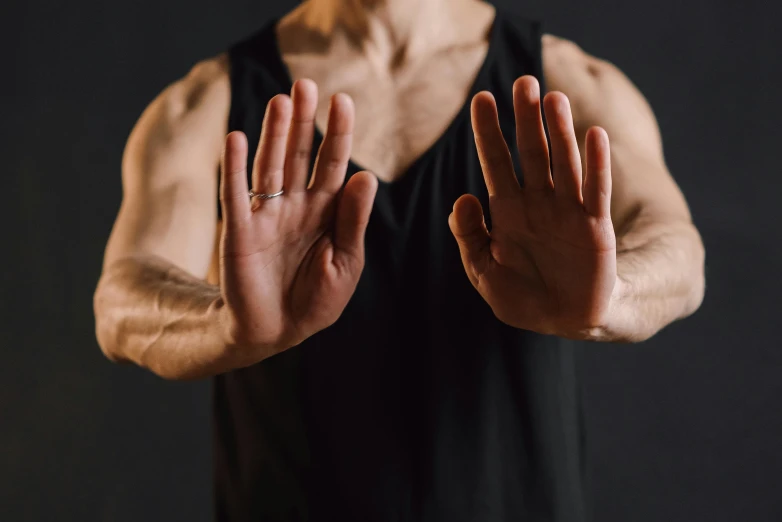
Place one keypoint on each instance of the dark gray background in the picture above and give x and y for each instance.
(685, 427)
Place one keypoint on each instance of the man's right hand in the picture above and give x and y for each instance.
(290, 264)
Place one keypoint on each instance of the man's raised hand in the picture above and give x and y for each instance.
(290, 264)
(549, 263)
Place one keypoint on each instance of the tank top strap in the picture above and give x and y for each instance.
(521, 45)
(257, 74)
(256, 77)
(519, 53)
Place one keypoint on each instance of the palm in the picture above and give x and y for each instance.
(291, 263)
(549, 263)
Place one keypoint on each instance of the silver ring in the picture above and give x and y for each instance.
(264, 196)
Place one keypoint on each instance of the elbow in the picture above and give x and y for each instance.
(105, 329)
(697, 287)
(697, 294)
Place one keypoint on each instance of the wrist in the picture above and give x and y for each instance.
(619, 325)
(229, 353)
(612, 324)
(224, 324)
(236, 350)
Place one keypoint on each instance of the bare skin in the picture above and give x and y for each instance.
(414, 88)
(173, 301)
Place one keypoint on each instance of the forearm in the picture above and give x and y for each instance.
(155, 315)
(660, 279)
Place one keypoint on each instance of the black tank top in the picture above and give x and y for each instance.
(417, 404)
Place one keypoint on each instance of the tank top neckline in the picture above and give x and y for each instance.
(479, 83)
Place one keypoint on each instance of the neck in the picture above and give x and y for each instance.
(392, 30)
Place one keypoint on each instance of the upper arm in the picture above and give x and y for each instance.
(601, 95)
(169, 173)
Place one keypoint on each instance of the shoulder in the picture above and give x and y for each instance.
(567, 65)
(598, 91)
(206, 87)
(187, 119)
(203, 93)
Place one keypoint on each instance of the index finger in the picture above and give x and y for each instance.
(234, 196)
(493, 152)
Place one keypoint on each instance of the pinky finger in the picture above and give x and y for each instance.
(233, 182)
(597, 185)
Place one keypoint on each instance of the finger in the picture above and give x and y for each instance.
(334, 153)
(597, 185)
(469, 228)
(355, 206)
(565, 157)
(493, 152)
(270, 156)
(299, 147)
(530, 134)
(233, 182)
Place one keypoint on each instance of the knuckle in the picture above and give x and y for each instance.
(335, 163)
(301, 154)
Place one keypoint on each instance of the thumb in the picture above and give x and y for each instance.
(469, 229)
(354, 207)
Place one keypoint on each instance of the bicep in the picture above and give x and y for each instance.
(601, 95)
(169, 176)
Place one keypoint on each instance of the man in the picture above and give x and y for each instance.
(358, 373)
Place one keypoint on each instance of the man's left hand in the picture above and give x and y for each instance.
(549, 262)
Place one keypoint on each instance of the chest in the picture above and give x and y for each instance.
(400, 113)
